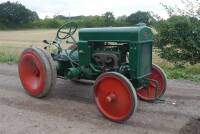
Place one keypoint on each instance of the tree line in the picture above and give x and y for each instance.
(15, 15)
(178, 37)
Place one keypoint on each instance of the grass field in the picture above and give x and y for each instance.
(12, 43)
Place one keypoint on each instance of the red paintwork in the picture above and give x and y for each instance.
(113, 98)
(32, 73)
(149, 94)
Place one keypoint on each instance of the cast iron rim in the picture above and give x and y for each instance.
(32, 73)
(114, 97)
(148, 94)
(51, 73)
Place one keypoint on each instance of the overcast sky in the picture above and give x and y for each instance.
(95, 7)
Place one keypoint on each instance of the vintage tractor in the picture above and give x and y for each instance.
(118, 59)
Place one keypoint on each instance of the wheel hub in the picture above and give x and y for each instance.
(111, 97)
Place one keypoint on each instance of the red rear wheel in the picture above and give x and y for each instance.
(148, 93)
(37, 72)
(115, 96)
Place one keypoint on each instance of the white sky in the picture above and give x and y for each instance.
(95, 7)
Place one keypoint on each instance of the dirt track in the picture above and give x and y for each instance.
(70, 110)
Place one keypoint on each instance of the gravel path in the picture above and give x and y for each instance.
(69, 109)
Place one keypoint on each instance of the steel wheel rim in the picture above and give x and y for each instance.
(115, 103)
(32, 73)
(158, 75)
(51, 73)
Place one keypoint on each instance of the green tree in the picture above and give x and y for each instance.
(60, 17)
(140, 17)
(179, 39)
(122, 18)
(122, 21)
(179, 36)
(15, 14)
(109, 18)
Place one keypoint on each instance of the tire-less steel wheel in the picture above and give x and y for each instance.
(37, 72)
(53, 70)
(148, 93)
(115, 96)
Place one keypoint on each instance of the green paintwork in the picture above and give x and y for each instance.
(140, 45)
(63, 55)
(93, 40)
(118, 34)
(84, 53)
(63, 62)
(140, 59)
(73, 73)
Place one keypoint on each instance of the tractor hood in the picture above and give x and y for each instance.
(117, 34)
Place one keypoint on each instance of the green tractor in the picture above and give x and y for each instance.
(118, 59)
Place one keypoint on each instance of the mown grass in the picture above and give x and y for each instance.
(8, 57)
(188, 72)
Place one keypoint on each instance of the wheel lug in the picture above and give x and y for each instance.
(111, 97)
(108, 99)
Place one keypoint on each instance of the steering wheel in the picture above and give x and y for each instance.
(67, 30)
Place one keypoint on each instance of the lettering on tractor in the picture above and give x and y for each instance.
(118, 59)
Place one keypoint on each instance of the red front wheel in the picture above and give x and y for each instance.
(37, 72)
(115, 96)
(147, 93)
